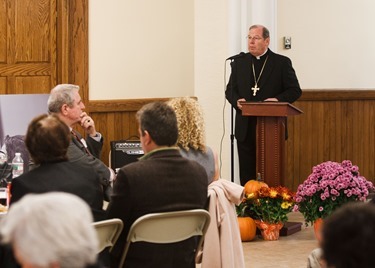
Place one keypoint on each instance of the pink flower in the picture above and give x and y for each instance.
(295, 208)
(335, 192)
(330, 185)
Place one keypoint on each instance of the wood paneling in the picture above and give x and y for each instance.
(3, 31)
(34, 85)
(336, 125)
(115, 120)
(78, 44)
(28, 31)
(3, 85)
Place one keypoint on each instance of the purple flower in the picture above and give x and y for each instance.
(328, 186)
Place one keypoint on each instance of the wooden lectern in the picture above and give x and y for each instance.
(271, 120)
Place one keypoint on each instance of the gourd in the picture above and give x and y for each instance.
(247, 228)
(252, 186)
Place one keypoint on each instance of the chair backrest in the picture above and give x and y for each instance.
(108, 232)
(168, 227)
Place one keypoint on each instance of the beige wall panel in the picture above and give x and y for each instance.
(141, 49)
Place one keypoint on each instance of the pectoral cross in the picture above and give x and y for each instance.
(255, 89)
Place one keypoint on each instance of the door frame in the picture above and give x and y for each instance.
(72, 44)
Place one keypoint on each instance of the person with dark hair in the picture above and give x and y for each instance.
(260, 75)
(162, 180)
(47, 140)
(65, 102)
(349, 237)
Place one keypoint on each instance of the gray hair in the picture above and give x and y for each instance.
(266, 32)
(60, 95)
(51, 227)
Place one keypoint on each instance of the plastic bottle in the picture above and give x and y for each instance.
(17, 165)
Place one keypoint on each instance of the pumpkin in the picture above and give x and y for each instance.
(247, 228)
(252, 186)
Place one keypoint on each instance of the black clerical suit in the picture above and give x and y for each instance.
(277, 80)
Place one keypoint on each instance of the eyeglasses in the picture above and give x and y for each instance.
(255, 38)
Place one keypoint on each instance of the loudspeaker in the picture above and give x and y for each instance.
(124, 152)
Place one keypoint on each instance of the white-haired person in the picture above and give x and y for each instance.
(51, 230)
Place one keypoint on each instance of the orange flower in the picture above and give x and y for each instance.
(269, 204)
(273, 193)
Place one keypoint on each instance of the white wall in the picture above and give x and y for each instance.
(168, 48)
(211, 50)
(332, 41)
(140, 49)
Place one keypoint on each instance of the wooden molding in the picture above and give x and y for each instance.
(337, 94)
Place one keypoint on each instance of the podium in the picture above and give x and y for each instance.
(271, 125)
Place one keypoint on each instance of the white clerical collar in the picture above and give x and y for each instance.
(258, 57)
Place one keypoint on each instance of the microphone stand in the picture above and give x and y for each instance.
(242, 54)
(231, 145)
(231, 130)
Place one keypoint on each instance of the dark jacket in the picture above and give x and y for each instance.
(162, 181)
(77, 154)
(278, 80)
(63, 176)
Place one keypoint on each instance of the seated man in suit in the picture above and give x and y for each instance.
(162, 180)
(66, 103)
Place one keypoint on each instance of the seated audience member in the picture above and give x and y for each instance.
(51, 230)
(65, 102)
(162, 180)
(47, 140)
(349, 237)
(191, 135)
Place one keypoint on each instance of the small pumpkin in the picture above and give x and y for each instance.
(252, 186)
(247, 228)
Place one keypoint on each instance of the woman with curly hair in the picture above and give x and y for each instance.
(191, 135)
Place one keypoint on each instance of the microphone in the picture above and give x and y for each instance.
(242, 54)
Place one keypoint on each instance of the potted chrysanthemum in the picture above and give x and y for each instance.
(329, 186)
(269, 207)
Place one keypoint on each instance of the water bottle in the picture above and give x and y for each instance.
(17, 165)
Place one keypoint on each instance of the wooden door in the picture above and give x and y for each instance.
(28, 46)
